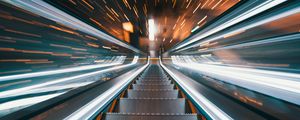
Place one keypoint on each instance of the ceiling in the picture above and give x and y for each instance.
(175, 20)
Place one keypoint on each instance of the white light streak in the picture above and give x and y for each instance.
(251, 12)
(59, 71)
(67, 79)
(212, 110)
(52, 88)
(26, 101)
(249, 26)
(281, 85)
(85, 112)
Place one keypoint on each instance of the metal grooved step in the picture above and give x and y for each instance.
(148, 86)
(152, 93)
(152, 105)
(153, 82)
(153, 78)
(152, 97)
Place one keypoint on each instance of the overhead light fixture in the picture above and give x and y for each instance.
(151, 29)
(128, 26)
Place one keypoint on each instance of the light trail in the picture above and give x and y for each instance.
(59, 71)
(281, 85)
(44, 9)
(212, 110)
(249, 13)
(88, 110)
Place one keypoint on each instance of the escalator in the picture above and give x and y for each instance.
(152, 96)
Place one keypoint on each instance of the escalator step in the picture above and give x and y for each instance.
(149, 116)
(152, 97)
(152, 105)
(144, 86)
(152, 93)
(153, 79)
(153, 82)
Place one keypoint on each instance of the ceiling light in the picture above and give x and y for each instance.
(151, 29)
(128, 26)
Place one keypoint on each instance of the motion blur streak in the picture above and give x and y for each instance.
(158, 59)
(267, 19)
(286, 85)
(26, 102)
(80, 68)
(82, 76)
(41, 8)
(86, 111)
(214, 112)
(251, 12)
(45, 51)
